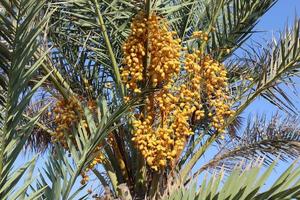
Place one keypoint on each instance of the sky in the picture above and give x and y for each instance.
(282, 14)
(278, 16)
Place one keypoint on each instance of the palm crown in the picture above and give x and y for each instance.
(135, 92)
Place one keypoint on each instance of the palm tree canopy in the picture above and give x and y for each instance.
(132, 93)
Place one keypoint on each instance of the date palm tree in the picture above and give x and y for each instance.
(68, 90)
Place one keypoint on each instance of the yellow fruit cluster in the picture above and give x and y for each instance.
(201, 35)
(190, 92)
(134, 51)
(162, 135)
(150, 37)
(164, 52)
(67, 114)
(85, 178)
(162, 126)
(98, 159)
(215, 83)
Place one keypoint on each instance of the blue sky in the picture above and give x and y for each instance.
(278, 16)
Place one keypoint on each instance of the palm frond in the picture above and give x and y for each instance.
(270, 72)
(242, 184)
(275, 139)
(93, 33)
(229, 23)
(39, 141)
(21, 26)
(81, 149)
(56, 175)
(235, 25)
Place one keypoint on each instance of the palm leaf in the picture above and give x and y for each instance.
(274, 139)
(242, 184)
(19, 42)
(275, 67)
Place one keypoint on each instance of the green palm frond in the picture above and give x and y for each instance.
(56, 175)
(235, 24)
(93, 32)
(242, 183)
(21, 26)
(274, 139)
(275, 67)
(229, 22)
